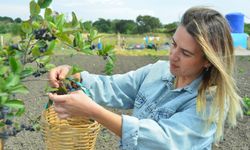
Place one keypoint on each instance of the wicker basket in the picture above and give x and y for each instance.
(1, 144)
(70, 134)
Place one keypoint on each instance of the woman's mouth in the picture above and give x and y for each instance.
(173, 66)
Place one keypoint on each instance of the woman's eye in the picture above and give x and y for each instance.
(173, 44)
(185, 53)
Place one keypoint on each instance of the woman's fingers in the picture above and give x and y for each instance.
(53, 78)
(57, 74)
(63, 72)
(62, 113)
(58, 98)
(59, 108)
(63, 116)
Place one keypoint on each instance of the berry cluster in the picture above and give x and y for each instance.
(43, 34)
(11, 130)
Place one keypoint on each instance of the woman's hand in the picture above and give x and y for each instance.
(74, 104)
(59, 73)
(79, 104)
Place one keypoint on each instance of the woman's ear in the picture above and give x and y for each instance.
(207, 64)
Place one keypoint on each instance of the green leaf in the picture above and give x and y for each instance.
(93, 34)
(62, 90)
(86, 50)
(3, 99)
(44, 3)
(35, 25)
(3, 94)
(2, 53)
(73, 70)
(20, 112)
(49, 66)
(52, 25)
(64, 38)
(50, 89)
(79, 40)
(2, 124)
(50, 48)
(76, 69)
(35, 51)
(34, 8)
(37, 18)
(97, 37)
(74, 20)
(60, 22)
(26, 72)
(3, 70)
(15, 65)
(14, 104)
(43, 60)
(19, 89)
(12, 80)
(26, 27)
(2, 83)
(48, 14)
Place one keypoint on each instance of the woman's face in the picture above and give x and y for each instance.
(186, 57)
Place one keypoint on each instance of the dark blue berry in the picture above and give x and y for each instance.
(23, 126)
(36, 74)
(14, 46)
(8, 122)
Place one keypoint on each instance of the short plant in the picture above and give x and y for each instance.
(246, 101)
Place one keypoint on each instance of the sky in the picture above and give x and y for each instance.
(167, 11)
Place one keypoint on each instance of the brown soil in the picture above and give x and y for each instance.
(235, 139)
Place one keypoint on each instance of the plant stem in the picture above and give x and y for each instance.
(27, 49)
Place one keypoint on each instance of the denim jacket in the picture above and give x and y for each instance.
(163, 118)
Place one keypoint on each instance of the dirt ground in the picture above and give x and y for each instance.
(235, 139)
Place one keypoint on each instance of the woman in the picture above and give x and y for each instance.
(180, 104)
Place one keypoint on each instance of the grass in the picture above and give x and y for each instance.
(146, 52)
(62, 50)
(132, 39)
(9, 38)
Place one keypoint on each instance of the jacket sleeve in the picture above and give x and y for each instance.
(183, 131)
(117, 91)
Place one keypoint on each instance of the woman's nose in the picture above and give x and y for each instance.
(174, 54)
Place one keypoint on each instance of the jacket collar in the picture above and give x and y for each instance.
(192, 87)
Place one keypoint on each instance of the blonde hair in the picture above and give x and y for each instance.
(211, 30)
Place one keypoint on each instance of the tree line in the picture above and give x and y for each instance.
(9, 25)
(142, 24)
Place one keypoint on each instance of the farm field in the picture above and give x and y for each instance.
(235, 139)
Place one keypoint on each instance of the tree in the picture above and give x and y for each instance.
(103, 25)
(6, 19)
(170, 28)
(147, 23)
(125, 26)
(247, 28)
(18, 20)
